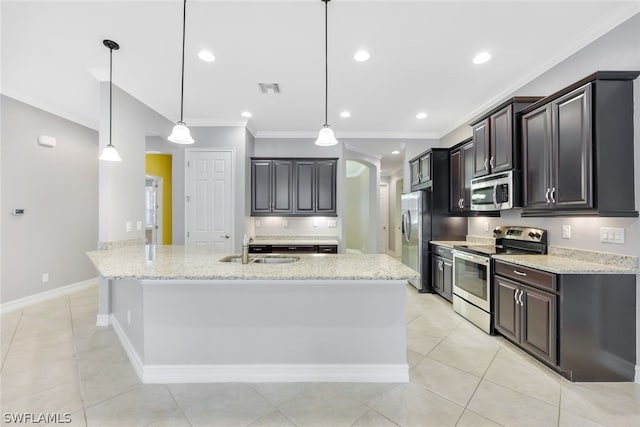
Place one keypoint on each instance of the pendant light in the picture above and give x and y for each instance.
(325, 137)
(180, 133)
(110, 154)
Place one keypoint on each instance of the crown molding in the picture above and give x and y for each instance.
(215, 122)
(348, 135)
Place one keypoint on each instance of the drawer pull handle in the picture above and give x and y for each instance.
(519, 273)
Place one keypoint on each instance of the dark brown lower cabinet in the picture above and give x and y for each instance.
(582, 325)
(527, 316)
(442, 272)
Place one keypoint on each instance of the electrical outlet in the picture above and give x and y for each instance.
(332, 223)
(128, 226)
(315, 222)
(128, 317)
(285, 223)
(566, 231)
(612, 235)
(486, 226)
(45, 277)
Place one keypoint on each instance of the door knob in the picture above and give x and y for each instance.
(226, 236)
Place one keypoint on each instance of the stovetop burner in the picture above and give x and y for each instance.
(511, 240)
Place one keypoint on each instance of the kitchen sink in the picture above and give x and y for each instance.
(261, 259)
(275, 260)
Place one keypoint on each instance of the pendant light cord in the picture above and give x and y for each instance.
(110, 92)
(326, 62)
(184, 20)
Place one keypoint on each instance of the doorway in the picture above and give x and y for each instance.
(357, 208)
(153, 210)
(158, 199)
(383, 219)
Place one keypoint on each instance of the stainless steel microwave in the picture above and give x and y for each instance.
(496, 191)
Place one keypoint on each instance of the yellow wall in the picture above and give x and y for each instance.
(160, 165)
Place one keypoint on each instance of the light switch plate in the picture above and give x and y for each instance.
(566, 231)
(612, 235)
(128, 226)
(139, 225)
(332, 223)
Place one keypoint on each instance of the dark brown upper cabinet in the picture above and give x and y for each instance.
(271, 187)
(293, 187)
(578, 149)
(496, 139)
(462, 162)
(421, 171)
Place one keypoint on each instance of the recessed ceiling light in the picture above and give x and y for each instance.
(361, 56)
(345, 114)
(481, 58)
(421, 116)
(395, 152)
(246, 114)
(206, 56)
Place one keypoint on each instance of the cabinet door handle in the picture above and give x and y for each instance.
(546, 195)
(485, 164)
(491, 162)
(419, 176)
(461, 203)
(519, 273)
(520, 298)
(440, 265)
(553, 195)
(515, 296)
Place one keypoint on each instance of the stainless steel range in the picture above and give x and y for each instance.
(473, 270)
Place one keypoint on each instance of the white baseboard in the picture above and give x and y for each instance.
(47, 295)
(136, 362)
(103, 320)
(166, 374)
(176, 374)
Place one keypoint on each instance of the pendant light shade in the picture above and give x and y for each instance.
(110, 154)
(180, 133)
(326, 137)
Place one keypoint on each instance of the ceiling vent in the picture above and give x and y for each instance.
(269, 88)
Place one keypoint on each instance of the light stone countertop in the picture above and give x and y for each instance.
(564, 265)
(180, 262)
(449, 243)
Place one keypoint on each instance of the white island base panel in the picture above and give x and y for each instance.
(199, 331)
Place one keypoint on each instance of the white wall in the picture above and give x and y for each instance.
(121, 184)
(58, 188)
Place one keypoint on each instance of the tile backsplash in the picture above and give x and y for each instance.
(294, 226)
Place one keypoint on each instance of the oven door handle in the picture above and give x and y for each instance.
(472, 258)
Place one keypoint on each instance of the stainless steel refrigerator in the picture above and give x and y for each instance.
(426, 217)
(412, 205)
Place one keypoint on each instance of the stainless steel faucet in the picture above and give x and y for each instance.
(245, 249)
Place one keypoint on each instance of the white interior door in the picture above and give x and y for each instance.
(383, 219)
(209, 205)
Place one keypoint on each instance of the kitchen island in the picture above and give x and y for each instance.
(184, 316)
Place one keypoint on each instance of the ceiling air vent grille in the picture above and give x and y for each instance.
(269, 88)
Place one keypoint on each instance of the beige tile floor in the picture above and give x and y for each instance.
(54, 359)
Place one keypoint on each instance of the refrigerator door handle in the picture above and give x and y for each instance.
(408, 225)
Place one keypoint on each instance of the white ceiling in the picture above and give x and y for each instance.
(421, 54)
